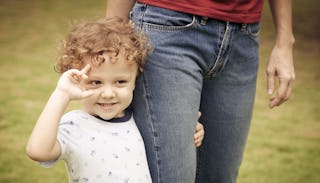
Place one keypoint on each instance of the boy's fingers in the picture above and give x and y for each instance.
(199, 115)
(87, 93)
(86, 69)
(198, 143)
(76, 75)
(198, 135)
(198, 127)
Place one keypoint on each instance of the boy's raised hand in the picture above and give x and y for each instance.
(70, 83)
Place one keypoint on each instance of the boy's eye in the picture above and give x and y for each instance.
(94, 82)
(121, 82)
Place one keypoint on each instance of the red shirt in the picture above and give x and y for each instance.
(239, 11)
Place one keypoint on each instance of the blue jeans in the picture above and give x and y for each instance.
(197, 64)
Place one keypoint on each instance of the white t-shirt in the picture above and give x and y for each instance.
(97, 151)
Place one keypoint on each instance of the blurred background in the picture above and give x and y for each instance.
(283, 144)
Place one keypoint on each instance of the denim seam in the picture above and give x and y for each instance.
(150, 26)
(220, 60)
(248, 31)
(141, 17)
(147, 95)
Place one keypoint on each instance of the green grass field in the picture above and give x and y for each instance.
(283, 144)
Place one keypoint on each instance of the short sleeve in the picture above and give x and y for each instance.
(65, 127)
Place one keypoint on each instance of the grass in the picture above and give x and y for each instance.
(283, 144)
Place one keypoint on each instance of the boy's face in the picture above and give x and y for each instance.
(113, 85)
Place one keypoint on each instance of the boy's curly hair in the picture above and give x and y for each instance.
(102, 37)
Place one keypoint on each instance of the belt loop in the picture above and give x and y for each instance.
(203, 20)
(243, 27)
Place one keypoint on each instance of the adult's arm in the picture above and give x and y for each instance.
(119, 8)
(280, 67)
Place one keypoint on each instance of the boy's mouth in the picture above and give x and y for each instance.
(107, 105)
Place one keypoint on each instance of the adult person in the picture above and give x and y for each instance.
(205, 57)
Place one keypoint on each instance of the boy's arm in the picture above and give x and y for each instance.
(280, 66)
(43, 144)
(119, 8)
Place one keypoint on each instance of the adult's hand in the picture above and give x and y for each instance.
(280, 76)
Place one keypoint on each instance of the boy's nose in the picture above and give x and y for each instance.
(108, 93)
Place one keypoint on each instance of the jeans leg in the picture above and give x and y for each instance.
(226, 125)
(166, 114)
(226, 106)
(167, 95)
